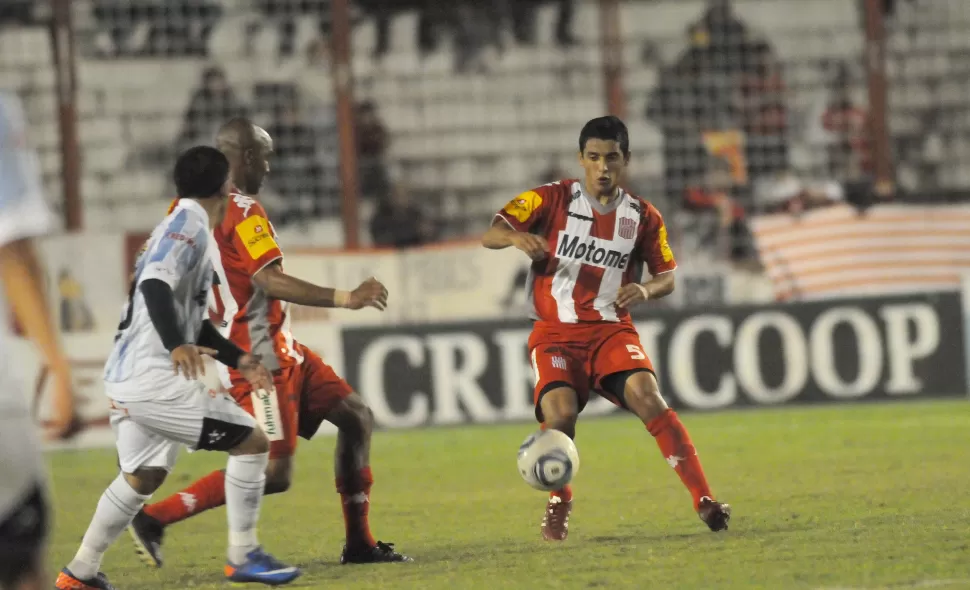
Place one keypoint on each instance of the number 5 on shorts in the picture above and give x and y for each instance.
(636, 353)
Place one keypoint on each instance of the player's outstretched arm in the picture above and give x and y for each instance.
(279, 285)
(501, 235)
(21, 274)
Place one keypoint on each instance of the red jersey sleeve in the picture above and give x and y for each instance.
(654, 248)
(528, 210)
(252, 234)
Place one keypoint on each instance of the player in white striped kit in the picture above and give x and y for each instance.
(23, 216)
(156, 410)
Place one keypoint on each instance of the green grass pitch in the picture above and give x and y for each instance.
(866, 496)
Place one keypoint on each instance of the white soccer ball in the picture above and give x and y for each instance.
(548, 460)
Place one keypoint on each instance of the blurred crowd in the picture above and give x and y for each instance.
(730, 121)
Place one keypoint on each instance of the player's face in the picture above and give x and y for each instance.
(604, 164)
(256, 164)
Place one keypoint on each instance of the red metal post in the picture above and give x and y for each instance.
(343, 87)
(62, 39)
(875, 63)
(612, 57)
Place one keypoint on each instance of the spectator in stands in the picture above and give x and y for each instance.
(119, 19)
(522, 14)
(182, 27)
(399, 223)
(285, 14)
(372, 143)
(689, 100)
(716, 192)
(213, 103)
(297, 172)
(176, 27)
(763, 111)
(843, 128)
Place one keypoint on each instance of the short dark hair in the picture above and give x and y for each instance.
(607, 128)
(200, 172)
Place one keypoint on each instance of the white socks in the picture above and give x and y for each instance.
(245, 481)
(117, 507)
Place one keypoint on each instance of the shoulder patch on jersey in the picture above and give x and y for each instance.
(523, 206)
(664, 244)
(255, 235)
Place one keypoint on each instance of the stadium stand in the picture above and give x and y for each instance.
(464, 131)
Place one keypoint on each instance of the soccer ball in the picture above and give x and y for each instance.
(548, 460)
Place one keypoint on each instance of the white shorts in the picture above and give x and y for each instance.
(150, 433)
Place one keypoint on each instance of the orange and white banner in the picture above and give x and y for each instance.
(839, 251)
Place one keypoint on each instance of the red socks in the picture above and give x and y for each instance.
(674, 443)
(355, 496)
(208, 492)
(565, 494)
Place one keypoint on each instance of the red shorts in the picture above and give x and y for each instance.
(305, 393)
(581, 355)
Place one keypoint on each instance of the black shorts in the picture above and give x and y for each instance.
(23, 534)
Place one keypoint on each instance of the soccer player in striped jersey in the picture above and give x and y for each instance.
(155, 410)
(252, 302)
(589, 241)
(23, 497)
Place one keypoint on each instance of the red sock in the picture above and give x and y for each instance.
(208, 492)
(674, 443)
(355, 496)
(565, 494)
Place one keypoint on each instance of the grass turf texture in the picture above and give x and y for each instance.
(850, 496)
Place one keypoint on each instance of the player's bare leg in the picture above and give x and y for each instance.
(560, 409)
(642, 396)
(355, 425)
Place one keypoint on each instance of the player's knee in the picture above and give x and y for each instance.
(254, 444)
(146, 480)
(643, 396)
(279, 476)
(354, 417)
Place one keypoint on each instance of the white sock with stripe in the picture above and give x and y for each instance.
(117, 507)
(245, 481)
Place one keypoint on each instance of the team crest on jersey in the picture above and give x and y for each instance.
(627, 228)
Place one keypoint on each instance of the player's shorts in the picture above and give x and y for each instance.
(581, 356)
(304, 395)
(150, 433)
(23, 535)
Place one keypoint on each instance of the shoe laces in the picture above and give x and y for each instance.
(260, 556)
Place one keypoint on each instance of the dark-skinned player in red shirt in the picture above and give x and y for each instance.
(251, 300)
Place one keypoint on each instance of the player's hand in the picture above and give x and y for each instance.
(631, 294)
(188, 359)
(64, 422)
(535, 247)
(257, 375)
(370, 293)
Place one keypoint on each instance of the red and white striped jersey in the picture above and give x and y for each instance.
(595, 250)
